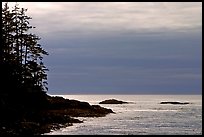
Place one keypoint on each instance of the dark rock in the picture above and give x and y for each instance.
(112, 101)
(175, 103)
(49, 113)
(76, 108)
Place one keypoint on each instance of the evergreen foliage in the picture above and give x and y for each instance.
(21, 56)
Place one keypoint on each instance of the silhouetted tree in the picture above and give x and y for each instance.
(21, 55)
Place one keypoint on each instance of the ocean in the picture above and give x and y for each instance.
(144, 115)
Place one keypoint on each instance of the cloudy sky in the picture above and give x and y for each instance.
(119, 47)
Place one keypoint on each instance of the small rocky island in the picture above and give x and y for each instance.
(112, 101)
(175, 103)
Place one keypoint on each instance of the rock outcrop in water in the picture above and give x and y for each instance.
(175, 103)
(76, 108)
(112, 101)
(24, 116)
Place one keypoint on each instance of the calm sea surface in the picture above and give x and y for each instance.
(143, 116)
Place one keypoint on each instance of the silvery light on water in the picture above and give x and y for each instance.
(143, 116)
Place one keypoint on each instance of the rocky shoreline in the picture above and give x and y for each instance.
(54, 113)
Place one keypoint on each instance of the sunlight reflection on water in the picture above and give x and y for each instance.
(145, 116)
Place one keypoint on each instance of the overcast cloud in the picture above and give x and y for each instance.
(119, 47)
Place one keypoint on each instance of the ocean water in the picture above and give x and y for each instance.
(143, 116)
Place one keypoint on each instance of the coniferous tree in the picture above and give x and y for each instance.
(21, 55)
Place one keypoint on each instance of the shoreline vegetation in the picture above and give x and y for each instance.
(21, 116)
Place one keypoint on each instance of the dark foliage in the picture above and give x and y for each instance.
(22, 72)
(21, 55)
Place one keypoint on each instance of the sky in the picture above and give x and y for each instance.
(120, 47)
